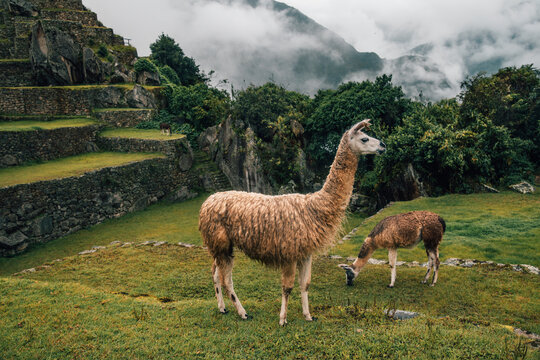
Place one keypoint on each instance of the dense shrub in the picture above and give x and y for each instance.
(143, 64)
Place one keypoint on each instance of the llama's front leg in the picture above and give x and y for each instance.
(226, 273)
(287, 283)
(392, 259)
(304, 279)
(217, 287)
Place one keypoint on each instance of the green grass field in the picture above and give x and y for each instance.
(147, 134)
(29, 125)
(69, 166)
(146, 302)
(501, 227)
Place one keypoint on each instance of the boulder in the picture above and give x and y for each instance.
(8, 160)
(141, 98)
(119, 78)
(406, 186)
(148, 78)
(92, 68)
(185, 162)
(56, 58)
(110, 97)
(23, 8)
(523, 187)
(42, 226)
(14, 240)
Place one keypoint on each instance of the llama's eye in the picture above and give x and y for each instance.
(365, 140)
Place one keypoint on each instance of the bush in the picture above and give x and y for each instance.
(103, 52)
(143, 64)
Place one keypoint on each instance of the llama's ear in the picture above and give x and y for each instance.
(364, 124)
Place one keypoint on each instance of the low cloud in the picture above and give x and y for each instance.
(451, 38)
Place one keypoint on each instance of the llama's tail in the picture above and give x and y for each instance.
(443, 223)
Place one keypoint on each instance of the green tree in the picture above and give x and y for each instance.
(336, 111)
(509, 98)
(165, 51)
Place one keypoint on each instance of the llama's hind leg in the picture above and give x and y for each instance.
(436, 264)
(429, 267)
(216, 276)
(287, 283)
(304, 279)
(392, 259)
(225, 268)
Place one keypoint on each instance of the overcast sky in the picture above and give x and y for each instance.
(460, 31)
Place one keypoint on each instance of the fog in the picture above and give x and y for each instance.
(457, 38)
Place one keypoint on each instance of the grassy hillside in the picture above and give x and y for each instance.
(498, 227)
(158, 302)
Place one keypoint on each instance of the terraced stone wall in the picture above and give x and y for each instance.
(72, 100)
(15, 73)
(18, 147)
(86, 18)
(59, 4)
(126, 118)
(39, 212)
(179, 150)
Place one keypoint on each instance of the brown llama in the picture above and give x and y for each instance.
(165, 129)
(402, 231)
(282, 231)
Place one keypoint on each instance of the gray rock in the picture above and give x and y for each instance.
(401, 314)
(42, 226)
(377, 262)
(185, 162)
(119, 78)
(23, 8)
(488, 188)
(530, 269)
(92, 68)
(140, 98)
(523, 187)
(56, 58)
(148, 78)
(9, 160)
(91, 146)
(86, 252)
(334, 257)
(13, 241)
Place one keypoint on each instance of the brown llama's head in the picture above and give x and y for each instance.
(362, 144)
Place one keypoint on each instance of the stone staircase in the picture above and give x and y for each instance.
(209, 175)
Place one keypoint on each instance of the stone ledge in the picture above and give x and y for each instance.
(42, 211)
(17, 147)
(124, 117)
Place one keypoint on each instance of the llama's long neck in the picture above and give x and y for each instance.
(332, 200)
(366, 251)
(340, 180)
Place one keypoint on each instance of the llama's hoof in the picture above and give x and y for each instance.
(390, 286)
(225, 311)
(424, 281)
(282, 323)
(248, 317)
(432, 284)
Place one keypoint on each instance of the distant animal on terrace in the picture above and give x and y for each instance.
(165, 129)
(282, 231)
(402, 231)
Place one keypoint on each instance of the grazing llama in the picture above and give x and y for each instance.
(282, 231)
(402, 231)
(165, 129)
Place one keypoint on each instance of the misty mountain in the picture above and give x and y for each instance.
(305, 56)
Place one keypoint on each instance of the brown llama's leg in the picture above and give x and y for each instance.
(430, 266)
(287, 283)
(304, 279)
(217, 287)
(392, 259)
(437, 263)
(225, 267)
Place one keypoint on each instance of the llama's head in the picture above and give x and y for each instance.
(350, 273)
(362, 144)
